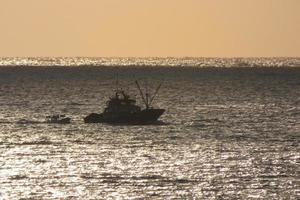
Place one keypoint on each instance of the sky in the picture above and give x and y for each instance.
(150, 28)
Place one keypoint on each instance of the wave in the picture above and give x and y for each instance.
(42, 142)
(25, 121)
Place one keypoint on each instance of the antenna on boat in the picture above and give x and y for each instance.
(117, 82)
(147, 95)
(142, 94)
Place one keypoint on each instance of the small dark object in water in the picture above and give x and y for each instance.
(58, 119)
(121, 109)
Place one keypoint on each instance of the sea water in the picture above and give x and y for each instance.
(231, 129)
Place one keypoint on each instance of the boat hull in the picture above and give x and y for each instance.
(146, 116)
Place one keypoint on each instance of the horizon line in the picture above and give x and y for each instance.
(159, 57)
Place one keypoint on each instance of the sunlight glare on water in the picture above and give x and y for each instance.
(229, 132)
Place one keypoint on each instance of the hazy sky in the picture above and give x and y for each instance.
(202, 28)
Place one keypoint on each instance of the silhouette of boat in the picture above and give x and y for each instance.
(58, 119)
(122, 109)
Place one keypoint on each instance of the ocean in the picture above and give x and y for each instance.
(231, 129)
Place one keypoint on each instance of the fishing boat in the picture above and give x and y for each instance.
(122, 109)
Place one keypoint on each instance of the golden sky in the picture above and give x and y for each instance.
(137, 28)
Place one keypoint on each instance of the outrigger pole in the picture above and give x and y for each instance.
(145, 98)
(156, 91)
(142, 94)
